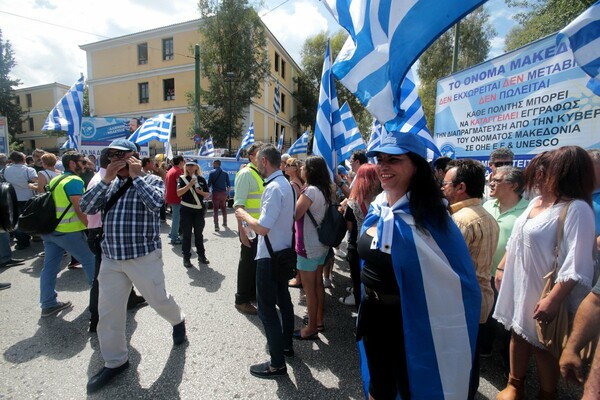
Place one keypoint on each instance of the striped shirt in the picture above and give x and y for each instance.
(132, 225)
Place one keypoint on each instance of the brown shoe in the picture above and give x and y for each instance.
(246, 308)
(514, 389)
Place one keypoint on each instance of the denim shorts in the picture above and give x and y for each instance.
(310, 264)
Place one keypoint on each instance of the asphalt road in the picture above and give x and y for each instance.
(54, 357)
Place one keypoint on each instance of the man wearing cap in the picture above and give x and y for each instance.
(131, 252)
(218, 181)
(68, 236)
(171, 197)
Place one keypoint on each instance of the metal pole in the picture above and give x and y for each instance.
(197, 89)
(230, 76)
(455, 50)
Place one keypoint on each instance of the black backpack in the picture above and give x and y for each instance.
(39, 215)
(333, 227)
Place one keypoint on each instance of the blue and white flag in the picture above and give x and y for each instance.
(377, 132)
(300, 145)
(207, 149)
(66, 115)
(280, 142)
(386, 38)
(157, 127)
(347, 139)
(328, 115)
(583, 34)
(247, 141)
(276, 99)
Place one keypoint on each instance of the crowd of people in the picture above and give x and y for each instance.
(447, 265)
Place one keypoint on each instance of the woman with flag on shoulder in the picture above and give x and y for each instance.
(418, 318)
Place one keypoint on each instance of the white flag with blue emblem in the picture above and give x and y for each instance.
(328, 115)
(157, 127)
(247, 141)
(386, 38)
(583, 34)
(276, 99)
(207, 149)
(300, 145)
(280, 142)
(66, 115)
(347, 139)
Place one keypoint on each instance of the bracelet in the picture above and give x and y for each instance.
(500, 269)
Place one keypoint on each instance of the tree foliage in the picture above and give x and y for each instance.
(435, 63)
(8, 107)
(540, 18)
(233, 58)
(312, 53)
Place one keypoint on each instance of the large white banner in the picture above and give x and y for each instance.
(529, 100)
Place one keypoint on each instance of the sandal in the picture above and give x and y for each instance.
(321, 328)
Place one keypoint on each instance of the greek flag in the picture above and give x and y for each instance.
(247, 141)
(276, 99)
(583, 34)
(157, 127)
(280, 142)
(328, 115)
(348, 138)
(207, 148)
(300, 145)
(66, 115)
(386, 38)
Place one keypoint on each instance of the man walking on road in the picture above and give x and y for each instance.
(171, 197)
(275, 222)
(218, 181)
(131, 252)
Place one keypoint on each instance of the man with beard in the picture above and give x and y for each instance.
(68, 236)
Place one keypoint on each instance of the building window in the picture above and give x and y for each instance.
(18, 100)
(167, 45)
(283, 69)
(276, 62)
(168, 89)
(31, 126)
(174, 127)
(282, 103)
(144, 93)
(28, 96)
(142, 53)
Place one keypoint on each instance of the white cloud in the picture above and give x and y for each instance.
(497, 47)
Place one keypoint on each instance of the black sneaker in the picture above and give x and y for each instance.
(179, 336)
(203, 260)
(46, 312)
(264, 371)
(4, 286)
(187, 263)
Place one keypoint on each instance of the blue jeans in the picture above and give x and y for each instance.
(55, 244)
(269, 294)
(5, 251)
(175, 214)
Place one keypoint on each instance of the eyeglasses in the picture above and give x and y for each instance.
(501, 163)
(117, 153)
(446, 183)
(291, 165)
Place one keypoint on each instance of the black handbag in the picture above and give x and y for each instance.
(283, 262)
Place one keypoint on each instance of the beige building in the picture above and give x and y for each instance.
(36, 102)
(150, 72)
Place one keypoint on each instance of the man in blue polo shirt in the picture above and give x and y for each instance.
(218, 181)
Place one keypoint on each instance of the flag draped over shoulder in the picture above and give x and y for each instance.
(347, 139)
(328, 115)
(247, 141)
(386, 38)
(66, 115)
(157, 127)
(583, 34)
(280, 142)
(207, 149)
(276, 99)
(300, 145)
(439, 296)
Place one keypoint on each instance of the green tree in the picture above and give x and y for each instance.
(435, 63)
(233, 58)
(312, 53)
(539, 18)
(8, 107)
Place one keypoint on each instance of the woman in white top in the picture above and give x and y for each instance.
(559, 176)
(45, 175)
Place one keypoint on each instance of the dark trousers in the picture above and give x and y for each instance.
(271, 294)
(354, 261)
(219, 200)
(246, 276)
(192, 218)
(21, 237)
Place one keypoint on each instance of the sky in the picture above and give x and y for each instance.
(46, 34)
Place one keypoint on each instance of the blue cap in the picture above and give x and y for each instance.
(341, 170)
(122, 144)
(397, 143)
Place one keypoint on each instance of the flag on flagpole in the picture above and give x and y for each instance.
(247, 141)
(207, 149)
(386, 38)
(157, 127)
(328, 115)
(583, 35)
(280, 142)
(347, 139)
(276, 99)
(300, 145)
(377, 132)
(67, 114)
